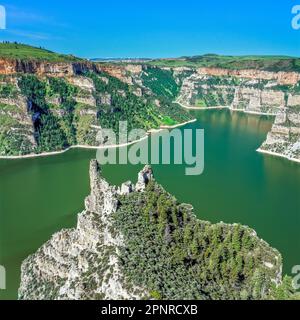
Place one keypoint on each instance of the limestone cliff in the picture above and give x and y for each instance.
(118, 237)
(99, 101)
(16, 125)
(284, 138)
(21, 116)
(50, 106)
(248, 90)
(82, 263)
(283, 78)
(61, 69)
(251, 91)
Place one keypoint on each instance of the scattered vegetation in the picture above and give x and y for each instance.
(61, 120)
(125, 105)
(161, 82)
(14, 136)
(174, 255)
(7, 90)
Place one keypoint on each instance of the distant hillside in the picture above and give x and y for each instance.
(268, 63)
(121, 60)
(26, 52)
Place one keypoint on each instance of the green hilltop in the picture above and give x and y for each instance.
(19, 51)
(268, 63)
(13, 50)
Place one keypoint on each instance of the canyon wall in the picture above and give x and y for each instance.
(283, 78)
(251, 91)
(61, 69)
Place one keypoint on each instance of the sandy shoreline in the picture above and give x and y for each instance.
(276, 154)
(177, 125)
(151, 131)
(48, 154)
(202, 108)
(226, 107)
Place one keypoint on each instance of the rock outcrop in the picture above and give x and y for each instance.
(16, 126)
(63, 69)
(82, 263)
(284, 138)
(90, 261)
(59, 69)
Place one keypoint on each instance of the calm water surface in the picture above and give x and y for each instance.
(41, 196)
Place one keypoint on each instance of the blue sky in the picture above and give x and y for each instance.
(154, 28)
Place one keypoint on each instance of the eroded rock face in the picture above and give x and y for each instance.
(234, 92)
(105, 99)
(59, 69)
(284, 138)
(118, 72)
(293, 100)
(83, 83)
(144, 177)
(82, 263)
(259, 101)
(42, 68)
(126, 188)
(62, 69)
(17, 124)
(88, 100)
(134, 68)
(251, 91)
(283, 78)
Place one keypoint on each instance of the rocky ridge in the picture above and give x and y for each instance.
(82, 263)
(88, 262)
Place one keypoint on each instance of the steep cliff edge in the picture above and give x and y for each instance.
(250, 91)
(49, 106)
(49, 102)
(256, 91)
(82, 263)
(138, 242)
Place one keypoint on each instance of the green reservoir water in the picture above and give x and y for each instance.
(41, 196)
